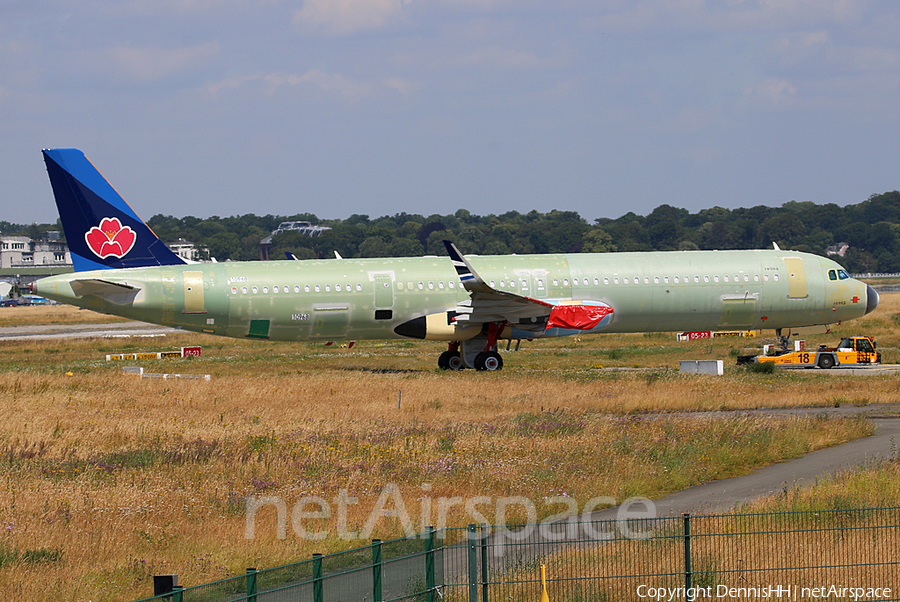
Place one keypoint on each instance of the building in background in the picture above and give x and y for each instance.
(18, 252)
(188, 251)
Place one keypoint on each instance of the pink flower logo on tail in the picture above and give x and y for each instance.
(111, 239)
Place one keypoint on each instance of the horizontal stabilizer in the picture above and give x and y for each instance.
(114, 292)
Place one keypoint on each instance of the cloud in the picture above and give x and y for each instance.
(506, 58)
(151, 64)
(773, 92)
(343, 17)
(344, 87)
(703, 15)
(335, 84)
(401, 84)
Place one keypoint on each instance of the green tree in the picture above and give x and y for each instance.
(597, 240)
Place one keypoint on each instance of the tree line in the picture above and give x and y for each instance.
(870, 228)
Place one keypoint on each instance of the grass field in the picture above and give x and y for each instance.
(108, 479)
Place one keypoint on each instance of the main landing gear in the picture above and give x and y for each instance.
(479, 352)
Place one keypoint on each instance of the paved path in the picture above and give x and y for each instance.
(66, 331)
(724, 494)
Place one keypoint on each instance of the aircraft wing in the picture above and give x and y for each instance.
(487, 304)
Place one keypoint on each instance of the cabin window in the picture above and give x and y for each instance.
(275, 289)
(337, 287)
(492, 283)
(725, 277)
(637, 280)
(596, 281)
(675, 279)
(503, 284)
(624, 280)
(255, 290)
(410, 286)
(716, 278)
(565, 282)
(697, 279)
(556, 282)
(766, 277)
(656, 279)
(327, 288)
(646, 280)
(540, 283)
(606, 281)
(706, 279)
(244, 290)
(421, 286)
(431, 286)
(306, 288)
(616, 280)
(266, 290)
(297, 288)
(775, 276)
(318, 288)
(524, 283)
(358, 286)
(441, 284)
(666, 279)
(451, 284)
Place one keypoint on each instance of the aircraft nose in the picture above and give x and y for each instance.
(872, 299)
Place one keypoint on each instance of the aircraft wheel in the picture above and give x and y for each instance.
(489, 361)
(450, 360)
(826, 362)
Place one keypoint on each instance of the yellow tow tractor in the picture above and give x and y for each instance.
(851, 352)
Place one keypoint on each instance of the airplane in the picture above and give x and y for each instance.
(470, 302)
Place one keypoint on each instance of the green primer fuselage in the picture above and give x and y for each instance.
(367, 298)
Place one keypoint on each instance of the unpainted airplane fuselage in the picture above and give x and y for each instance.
(370, 298)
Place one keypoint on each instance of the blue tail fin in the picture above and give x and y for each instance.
(102, 231)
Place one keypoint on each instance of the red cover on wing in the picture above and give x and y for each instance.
(579, 317)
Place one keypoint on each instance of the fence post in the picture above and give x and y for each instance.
(318, 593)
(429, 566)
(251, 585)
(473, 563)
(484, 563)
(178, 593)
(687, 557)
(376, 570)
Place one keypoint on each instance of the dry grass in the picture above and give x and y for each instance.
(34, 315)
(117, 478)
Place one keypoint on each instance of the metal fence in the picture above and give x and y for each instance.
(852, 554)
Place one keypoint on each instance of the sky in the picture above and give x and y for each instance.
(376, 107)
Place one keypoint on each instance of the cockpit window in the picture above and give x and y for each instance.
(842, 275)
(832, 275)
